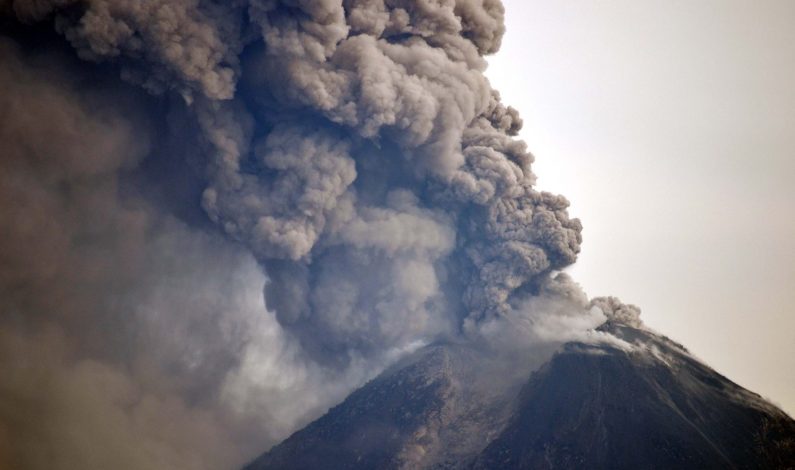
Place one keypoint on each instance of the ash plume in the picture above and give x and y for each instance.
(225, 215)
(344, 91)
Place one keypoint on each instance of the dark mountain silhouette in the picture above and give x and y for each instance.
(641, 401)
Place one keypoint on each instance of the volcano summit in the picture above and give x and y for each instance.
(639, 401)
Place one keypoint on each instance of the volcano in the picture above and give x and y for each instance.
(639, 400)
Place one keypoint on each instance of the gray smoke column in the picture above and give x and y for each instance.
(373, 171)
(347, 158)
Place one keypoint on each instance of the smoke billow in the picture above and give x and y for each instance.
(166, 163)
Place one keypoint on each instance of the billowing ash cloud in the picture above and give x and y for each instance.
(370, 166)
(167, 162)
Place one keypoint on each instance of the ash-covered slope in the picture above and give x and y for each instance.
(377, 424)
(441, 405)
(641, 401)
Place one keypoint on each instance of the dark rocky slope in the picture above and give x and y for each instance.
(640, 401)
(658, 407)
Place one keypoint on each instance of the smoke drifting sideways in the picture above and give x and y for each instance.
(164, 160)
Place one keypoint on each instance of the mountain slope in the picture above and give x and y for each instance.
(654, 407)
(375, 425)
(636, 401)
(442, 404)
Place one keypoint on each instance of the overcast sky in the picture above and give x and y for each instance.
(671, 128)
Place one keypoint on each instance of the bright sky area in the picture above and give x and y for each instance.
(670, 125)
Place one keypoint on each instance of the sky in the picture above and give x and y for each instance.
(671, 127)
